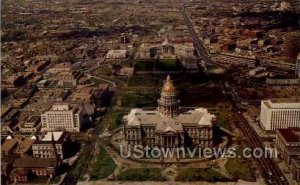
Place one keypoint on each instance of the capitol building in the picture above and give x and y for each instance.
(167, 126)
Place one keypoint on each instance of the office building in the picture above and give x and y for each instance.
(62, 116)
(280, 113)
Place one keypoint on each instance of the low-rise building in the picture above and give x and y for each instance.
(288, 144)
(44, 148)
(12, 81)
(24, 168)
(117, 54)
(61, 67)
(9, 146)
(68, 79)
(32, 125)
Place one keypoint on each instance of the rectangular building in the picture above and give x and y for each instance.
(288, 144)
(280, 113)
(62, 117)
(44, 148)
(32, 125)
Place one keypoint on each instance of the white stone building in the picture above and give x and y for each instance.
(168, 126)
(280, 113)
(62, 116)
(166, 50)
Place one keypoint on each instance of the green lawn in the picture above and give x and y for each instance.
(197, 174)
(168, 65)
(240, 168)
(83, 161)
(224, 115)
(104, 166)
(148, 81)
(157, 65)
(140, 100)
(113, 119)
(141, 174)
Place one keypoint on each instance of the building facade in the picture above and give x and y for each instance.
(44, 148)
(288, 144)
(32, 125)
(25, 168)
(62, 117)
(166, 50)
(168, 127)
(280, 113)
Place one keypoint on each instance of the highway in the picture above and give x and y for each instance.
(269, 169)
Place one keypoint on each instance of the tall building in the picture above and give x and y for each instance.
(168, 126)
(280, 113)
(62, 116)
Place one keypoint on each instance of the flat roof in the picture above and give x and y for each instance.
(290, 135)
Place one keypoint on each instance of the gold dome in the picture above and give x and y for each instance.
(168, 87)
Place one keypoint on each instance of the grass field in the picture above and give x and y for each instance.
(157, 65)
(140, 100)
(104, 165)
(141, 174)
(240, 168)
(199, 174)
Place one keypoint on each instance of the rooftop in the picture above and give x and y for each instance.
(282, 103)
(199, 117)
(290, 135)
(31, 162)
(56, 136)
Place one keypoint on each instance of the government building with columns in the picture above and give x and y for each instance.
(167, 126)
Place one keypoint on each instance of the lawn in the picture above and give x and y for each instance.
(200, 174)
(157, 65)
(146, 80)
(140, 100)
(240, 168)
(143, 65)
(168, 65)
(83, 161)
(141, 174)
(104, 165)
(224, 115)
